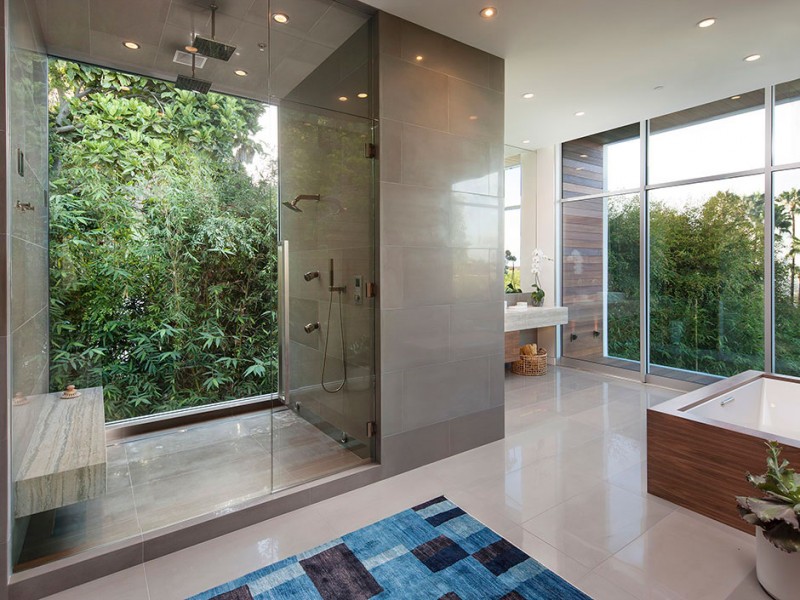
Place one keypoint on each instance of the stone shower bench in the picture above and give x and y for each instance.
(65, 462)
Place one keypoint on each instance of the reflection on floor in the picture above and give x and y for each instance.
(567, 485)
(163, 478)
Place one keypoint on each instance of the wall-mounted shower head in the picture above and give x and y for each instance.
(293, 204)
(211, 47)
(311, 275)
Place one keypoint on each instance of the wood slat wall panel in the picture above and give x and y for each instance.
(684, 454)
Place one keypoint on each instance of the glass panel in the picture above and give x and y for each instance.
(512, 232)
(707, 278)
(717, 138)
(786, 191)
(786, 123)
(600, 279)
(608, 161)
(513, 186)
(326, 216)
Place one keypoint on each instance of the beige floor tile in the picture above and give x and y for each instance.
(683, 556)
(593, 525)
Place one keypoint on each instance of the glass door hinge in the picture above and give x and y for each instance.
(370, 151)
(372, 429)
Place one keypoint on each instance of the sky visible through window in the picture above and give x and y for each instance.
(708, 148)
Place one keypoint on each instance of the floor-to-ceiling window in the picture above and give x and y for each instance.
(600, 247)
(705, 292)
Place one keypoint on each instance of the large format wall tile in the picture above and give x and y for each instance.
(441, 220)
(414, 337)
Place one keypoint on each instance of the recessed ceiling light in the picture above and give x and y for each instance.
(752, 58)
(190, 49)
(527, 95)
(579, 169)
(473, 117)
(489, 12)
(706, 23)
(342, 98)
(584, 156)
(241, 72)
(419, 58)
(735, 97)
(363, 95)
(580, 113)
(280, 18)
(526, 141)
(131, 45)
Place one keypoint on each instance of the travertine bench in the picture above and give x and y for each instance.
(65, 461)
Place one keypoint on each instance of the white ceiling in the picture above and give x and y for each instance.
(605, 57)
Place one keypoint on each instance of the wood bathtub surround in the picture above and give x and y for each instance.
(701, 464)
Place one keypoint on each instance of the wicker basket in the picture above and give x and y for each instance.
(531, 365)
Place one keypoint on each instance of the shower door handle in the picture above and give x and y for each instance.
(283, 321)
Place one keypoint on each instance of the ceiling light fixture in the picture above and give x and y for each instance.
(190, 49)
(584, 156)
(580, 113)
(281, 18)
(131, 45)
(363, 95)
(527, 95)
(473, 117)
(706, 23)
(489, 12)
(420, 58)
(752, 58)
(240, 72)
(342, 98)
(526, 141)
(737, 97)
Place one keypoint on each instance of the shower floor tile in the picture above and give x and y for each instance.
(164, 478)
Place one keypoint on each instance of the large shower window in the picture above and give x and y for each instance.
(719, 292)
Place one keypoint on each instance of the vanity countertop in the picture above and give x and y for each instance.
(533, 317)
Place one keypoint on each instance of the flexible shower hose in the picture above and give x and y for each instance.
(327, 338)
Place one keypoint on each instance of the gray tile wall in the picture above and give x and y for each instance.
(25, 231)
(441, 219)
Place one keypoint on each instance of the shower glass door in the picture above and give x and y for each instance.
(326, 235)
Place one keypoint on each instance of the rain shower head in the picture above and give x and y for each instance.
(192, 84)
(293, 204)
(211, 47)
(201, 86)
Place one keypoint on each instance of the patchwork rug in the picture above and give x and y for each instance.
(434, 550)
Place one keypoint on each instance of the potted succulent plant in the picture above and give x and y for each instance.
(775, 516)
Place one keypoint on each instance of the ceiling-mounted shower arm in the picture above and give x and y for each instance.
(214, 8)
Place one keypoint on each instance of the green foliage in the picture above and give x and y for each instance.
(706, 284)
(162, 247)
(776, 513)
(511, 276)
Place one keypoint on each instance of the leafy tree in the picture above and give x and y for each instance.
(162, 247)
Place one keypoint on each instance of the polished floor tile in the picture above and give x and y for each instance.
(161, 479)
(567, 485)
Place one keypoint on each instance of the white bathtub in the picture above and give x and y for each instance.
(768, 405)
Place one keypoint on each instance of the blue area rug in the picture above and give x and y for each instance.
(434, 550)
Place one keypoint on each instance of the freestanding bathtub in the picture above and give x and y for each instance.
(701, 445)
